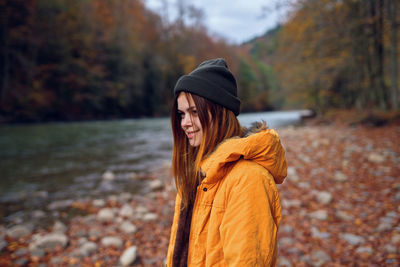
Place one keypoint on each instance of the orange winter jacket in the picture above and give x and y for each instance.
(237, 210)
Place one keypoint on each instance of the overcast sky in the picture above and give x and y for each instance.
(236, 20)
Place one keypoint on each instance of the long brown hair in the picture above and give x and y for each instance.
(218, 124)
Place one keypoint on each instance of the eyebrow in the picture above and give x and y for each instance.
(190, 108)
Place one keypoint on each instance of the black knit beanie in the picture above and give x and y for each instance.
(213, 81)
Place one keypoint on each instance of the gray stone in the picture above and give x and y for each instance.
(150, 217)
(59, 227)
(86, 249)
(156, 185)
(353, 239)
(286, 241)
(292, 174)
(319, 215)
(36, 252)
(38, 214)
(128, 256)
(49, 241)
(61, 204)
(304, 185)
(95, 233)
(317, 234)
(324, 197)
(21, 262)
(390, 249)
(286, 229)
(340, 177)
(319, 258)
(56, 261)
(282, 261)
(126, 211)
(128, 228)
(19, 231)
(344, 215)
(376, 158)
(3, 244)
(362, 250)
(111, 241)
(108, 176)
(140, 210)
(397, 196)
(105, 215)
(383, 227)
(99, 203)
(21, 252)
(288, 203)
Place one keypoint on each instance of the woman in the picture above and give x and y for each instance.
(227, 208)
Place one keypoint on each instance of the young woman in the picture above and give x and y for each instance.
(227, 208)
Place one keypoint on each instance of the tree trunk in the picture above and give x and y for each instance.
(392, 11)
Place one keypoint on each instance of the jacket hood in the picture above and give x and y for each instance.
(263, 147)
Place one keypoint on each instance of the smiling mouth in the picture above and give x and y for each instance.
(190, 135)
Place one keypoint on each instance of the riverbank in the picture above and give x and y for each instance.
(340, 206)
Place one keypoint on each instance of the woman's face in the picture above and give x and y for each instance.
(190, 121)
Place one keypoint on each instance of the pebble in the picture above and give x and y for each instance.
(366, 250)
(286, 229)
(353, 239)
(340, 177)
(49, 241)
(282, 261)
(319, 215)
(376, 158)
(21, 262)
(38, 214)
(292, 174)
(105, 215)
(61, 204)
(87, 248)
(286, 241)
(390, 249)
(324, 197)
(128, 228)
(128, 256)
(20, 252)
(344, 215)
(396, 238)
(319, 258)
(59, 227)
(288, 203)
(36, 252)
(111, 241)
(126, 211)
(19, 231)
(317, 234)
(3, 244)
(156, 185)
(99, 203)
(108, 176)
(150, 217)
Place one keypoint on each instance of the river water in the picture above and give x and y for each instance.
(68, 160)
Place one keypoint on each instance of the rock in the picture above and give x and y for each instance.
(61, 204)
(383, 227)
(319, 215)
(128, 256)
(105, 215)
(397, 196)
(156, 185)
(319, 258)
(353, 239)
(317, 234)
(366, 250)
(340, 177)
(21, 252)
(99, 203)
(128, 228)
(36, 252)
(126, 211)
(140, 210)
(292, 174)
(286, 229)
(286, 241)
(376, 158)
(49, 241)
(95, 233)
(282, 261)
(38, 214)
(19, 231)
(21, 262)
(59, 227)
(87, 248)
(108, 176)
(3, 244)
(109, 241)
(125, 197)
(324, 197)
(395, 238)
(304, 185)
(150, 217)
(390, 249)
(344, 215)
(288, 203)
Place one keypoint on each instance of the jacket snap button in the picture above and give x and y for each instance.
(205, 189)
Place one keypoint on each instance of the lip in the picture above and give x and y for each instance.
(191, 134)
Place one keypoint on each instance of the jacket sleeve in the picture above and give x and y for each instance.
(249, 226)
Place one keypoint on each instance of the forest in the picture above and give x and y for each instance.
(100, 59)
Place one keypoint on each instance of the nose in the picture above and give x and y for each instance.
(186, 121)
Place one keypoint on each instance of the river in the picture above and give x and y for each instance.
(68, 160)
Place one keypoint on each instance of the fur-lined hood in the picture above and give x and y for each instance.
(259, 144)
